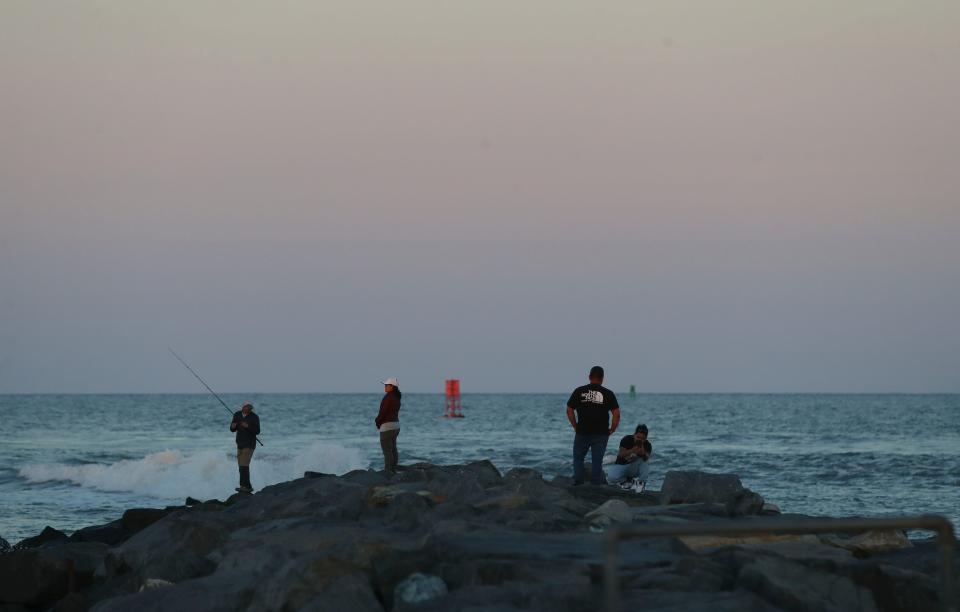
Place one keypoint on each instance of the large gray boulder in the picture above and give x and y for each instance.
(484, 472)
(690, 487)
(209, 594)
(896, 588)
(609, 513)
(138, 519)
(581, 547)
(793, 586)
(366, 477)
(48, 536)
(738, 600)
(804, 549)
(348, 592)
(329, 498)
(745, 503)
(870, 542)
(112, 533)
(520, 473)
(684, 574)
(464, 489)
(318, 582)
(73, 602)
(175, 548)
(39, 576)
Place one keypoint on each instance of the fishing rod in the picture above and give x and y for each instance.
(222, 403)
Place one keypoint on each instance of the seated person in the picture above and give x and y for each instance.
(632, 459)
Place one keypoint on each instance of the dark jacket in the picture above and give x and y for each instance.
(246, 436)
(389, 410)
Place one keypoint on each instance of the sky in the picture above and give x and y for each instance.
(746, 196)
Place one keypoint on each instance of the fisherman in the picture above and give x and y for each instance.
(247, 425)
(388, 424)
(592, 403)
(632, 468)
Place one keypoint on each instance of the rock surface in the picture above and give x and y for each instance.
(869, 543)
(608, 513)
(37, 576)
(48, 535)
(687, 487)
(460, 537)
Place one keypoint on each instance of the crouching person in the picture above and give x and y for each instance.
(632, 466)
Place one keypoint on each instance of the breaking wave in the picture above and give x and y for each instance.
(206, 474)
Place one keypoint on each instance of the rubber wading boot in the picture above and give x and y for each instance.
(245, 479)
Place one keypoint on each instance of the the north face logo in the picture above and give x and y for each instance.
(593, 397)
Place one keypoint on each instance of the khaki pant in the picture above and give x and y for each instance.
(244, 455)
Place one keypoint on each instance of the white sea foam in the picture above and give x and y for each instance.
(172, 474)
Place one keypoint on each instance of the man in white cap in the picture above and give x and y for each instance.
(388, 424)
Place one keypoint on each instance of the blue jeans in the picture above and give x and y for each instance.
(597, 445)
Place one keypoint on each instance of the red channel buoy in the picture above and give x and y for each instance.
(452, 409)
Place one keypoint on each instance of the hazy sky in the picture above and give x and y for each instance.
(297, 196)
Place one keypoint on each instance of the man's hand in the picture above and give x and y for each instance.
(244, 425)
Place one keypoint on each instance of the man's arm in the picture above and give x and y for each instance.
(625, 453)
(616, 421)
(645, 451)
(571, 418)
(382, 414)
(233, 423)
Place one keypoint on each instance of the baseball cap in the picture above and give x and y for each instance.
(392, 381)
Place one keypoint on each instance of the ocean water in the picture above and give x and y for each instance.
(70, 461)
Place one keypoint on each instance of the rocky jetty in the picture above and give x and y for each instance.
(461, 537)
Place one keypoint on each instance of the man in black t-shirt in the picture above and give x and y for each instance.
(592, 404)
(632, 460)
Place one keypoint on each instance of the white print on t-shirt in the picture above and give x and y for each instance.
(594, 397)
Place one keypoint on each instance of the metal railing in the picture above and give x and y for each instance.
(930, 522)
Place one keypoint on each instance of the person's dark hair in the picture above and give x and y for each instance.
(596, 372)
(641, 427)
(396, 391)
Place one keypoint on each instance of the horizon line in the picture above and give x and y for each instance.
(627, 392)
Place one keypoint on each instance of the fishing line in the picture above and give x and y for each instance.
(222, 403)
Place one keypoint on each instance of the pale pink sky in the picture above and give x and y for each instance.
(701, 196)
